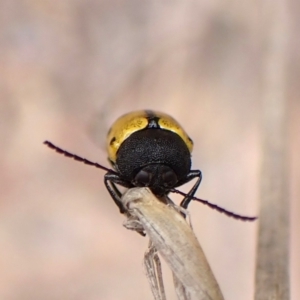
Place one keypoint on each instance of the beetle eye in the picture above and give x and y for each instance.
(143, 178)
(169, 178)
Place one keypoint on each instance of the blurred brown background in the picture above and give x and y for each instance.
(67, 70)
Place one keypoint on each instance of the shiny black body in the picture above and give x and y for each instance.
(154, 158)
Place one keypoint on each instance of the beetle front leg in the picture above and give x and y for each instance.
(110, 179)
(188, 198)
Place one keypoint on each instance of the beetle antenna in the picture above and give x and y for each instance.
(76, 157)
(218, 208)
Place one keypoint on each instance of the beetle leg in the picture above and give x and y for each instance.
(188, 198)
(110, 181)
(116, 190)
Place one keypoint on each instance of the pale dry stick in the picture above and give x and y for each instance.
(154, 273)
(159, 275)
(180, 290)
(175, 242)
(152, 262)
(272, 270)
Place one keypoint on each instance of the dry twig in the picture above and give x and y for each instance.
(272, 272)
(175, 241)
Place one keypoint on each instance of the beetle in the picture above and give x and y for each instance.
(148, 148)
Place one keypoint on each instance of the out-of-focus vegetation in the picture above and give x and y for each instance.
(67, 70)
